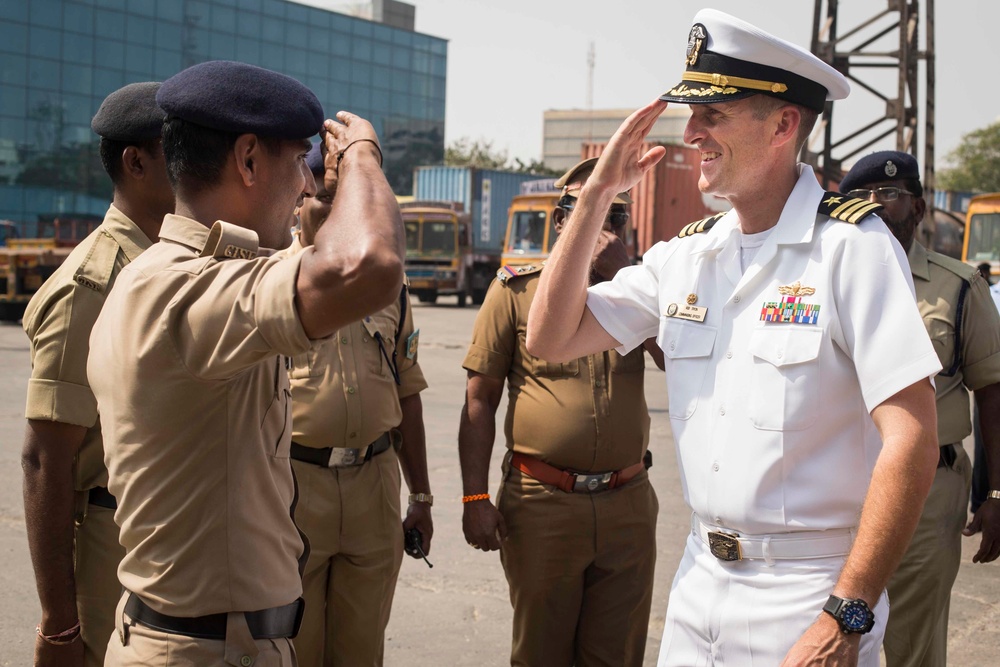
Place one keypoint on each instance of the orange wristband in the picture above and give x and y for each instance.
(475, 497)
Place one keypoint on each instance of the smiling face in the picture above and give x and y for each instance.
(735, 145)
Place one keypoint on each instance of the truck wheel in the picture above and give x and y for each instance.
(428, 297)
(461, 299)
(478, 296)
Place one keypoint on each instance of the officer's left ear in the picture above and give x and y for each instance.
(558, 219)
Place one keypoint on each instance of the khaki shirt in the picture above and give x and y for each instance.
(193, 391)
(58, 321)
(343, 390)
(587, 415)
(938, 281)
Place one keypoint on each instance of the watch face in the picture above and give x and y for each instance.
(854, 616)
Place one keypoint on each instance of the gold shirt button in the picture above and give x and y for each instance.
(344, 340)
(246, 661)
(351, 390)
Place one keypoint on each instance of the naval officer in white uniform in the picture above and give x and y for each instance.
(797, 364)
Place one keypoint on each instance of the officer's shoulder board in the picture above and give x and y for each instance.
(97, 266)
(229, 241)
(700, 226)
(507, 271)
(847, 209)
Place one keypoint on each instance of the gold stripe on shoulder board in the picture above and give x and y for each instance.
(699, 226)
(847, 209)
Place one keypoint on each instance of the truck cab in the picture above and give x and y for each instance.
(437, 246)
(982, 232)
(531, 232)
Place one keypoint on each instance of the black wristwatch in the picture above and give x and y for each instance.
(853, 615)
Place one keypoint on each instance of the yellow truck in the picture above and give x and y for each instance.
(437, 251)
(530, 230)
(982, 232)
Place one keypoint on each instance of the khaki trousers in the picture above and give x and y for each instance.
(580, 570)
(97, 554)
(352, 519)
(920, 590)
(134, 645)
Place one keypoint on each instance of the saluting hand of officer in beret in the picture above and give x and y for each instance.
(337, 136)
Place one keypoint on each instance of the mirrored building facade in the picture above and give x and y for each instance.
(60, 58)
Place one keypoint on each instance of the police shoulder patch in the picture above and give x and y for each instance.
(507, 271)
(96, 269)
(700, 226)
(847, 209)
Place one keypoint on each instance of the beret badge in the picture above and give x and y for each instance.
(890, 169)
(696, 44)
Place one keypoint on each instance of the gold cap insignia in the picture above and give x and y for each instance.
(696, 44)
(796, 289)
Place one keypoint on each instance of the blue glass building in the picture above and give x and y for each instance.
(60, 58)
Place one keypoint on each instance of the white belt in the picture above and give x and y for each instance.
(730, 546)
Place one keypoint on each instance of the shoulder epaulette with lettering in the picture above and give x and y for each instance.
(507, 271)
(229, 241)
(700, 226)
(96, 269)
(847, 209)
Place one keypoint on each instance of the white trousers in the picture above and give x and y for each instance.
(748, 613)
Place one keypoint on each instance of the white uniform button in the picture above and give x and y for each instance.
(715, 466)
(722, 411)
(779, 354)
(736, 299)
(718, 522)
(729, 354)
(672, 345)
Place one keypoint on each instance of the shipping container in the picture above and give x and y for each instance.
(667, 197)
(485, 193)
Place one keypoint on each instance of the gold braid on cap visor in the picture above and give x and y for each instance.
(739, 82)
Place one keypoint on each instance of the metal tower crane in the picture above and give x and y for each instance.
(883, 47)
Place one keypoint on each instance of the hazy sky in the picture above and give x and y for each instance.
(509, 60)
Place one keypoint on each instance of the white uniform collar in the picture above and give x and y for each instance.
(793, 227)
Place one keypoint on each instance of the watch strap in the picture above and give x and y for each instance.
(421, 498)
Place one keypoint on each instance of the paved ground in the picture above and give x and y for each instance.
(456, 614)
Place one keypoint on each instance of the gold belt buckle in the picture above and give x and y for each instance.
(724, 546)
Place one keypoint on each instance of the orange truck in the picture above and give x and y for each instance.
(25, 263)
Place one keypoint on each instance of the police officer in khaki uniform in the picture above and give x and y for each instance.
(964, 326)
(575, 519)
(189, 363)
(69, 513)
(350, 394)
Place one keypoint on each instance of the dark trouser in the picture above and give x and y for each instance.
(980, 476)
(580, 571)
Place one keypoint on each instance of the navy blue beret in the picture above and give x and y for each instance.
(879, 167)
(130, 114)
(243, 99)
(314, 158)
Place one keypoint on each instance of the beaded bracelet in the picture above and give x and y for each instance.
(474, 497)
(340, 155)
(61, 638)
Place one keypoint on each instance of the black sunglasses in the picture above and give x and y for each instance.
(615, 218)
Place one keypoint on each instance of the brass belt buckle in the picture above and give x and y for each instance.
(724, 546)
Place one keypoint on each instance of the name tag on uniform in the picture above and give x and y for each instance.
(686, 311)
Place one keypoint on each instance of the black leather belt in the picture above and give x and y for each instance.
(338, 457)
(102, 498)
(947, 456)
(274, 623)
